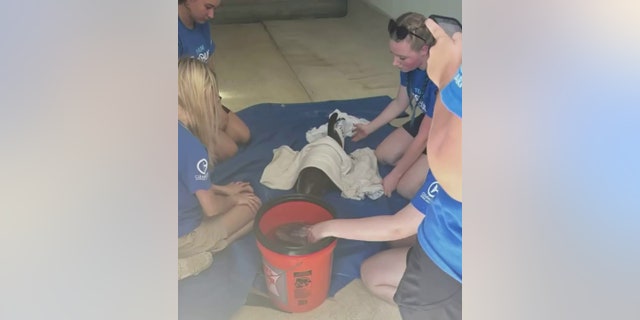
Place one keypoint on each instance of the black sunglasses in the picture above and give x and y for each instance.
(401, 31)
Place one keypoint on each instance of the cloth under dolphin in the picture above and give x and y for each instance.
(356, 175)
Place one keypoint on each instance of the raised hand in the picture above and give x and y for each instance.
(445, 56)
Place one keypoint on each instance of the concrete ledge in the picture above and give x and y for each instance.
(250, 11)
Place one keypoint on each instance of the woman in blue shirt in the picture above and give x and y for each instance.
(405, 147)
(209, 216)
(425, 280)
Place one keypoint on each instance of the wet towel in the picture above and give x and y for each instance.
(356, 175)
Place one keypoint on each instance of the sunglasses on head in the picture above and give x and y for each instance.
(401, 31)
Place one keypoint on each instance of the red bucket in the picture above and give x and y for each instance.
(297, 276)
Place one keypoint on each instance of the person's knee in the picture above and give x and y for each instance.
(406, 190)
(244, 135)
(383, 155)
(229, 150)
(368, 273)
(239, 132)
(374, 277)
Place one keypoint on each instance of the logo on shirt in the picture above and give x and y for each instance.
(202, 166)
(458, 78)
(204, 57)
(431, 192)
(202, 54)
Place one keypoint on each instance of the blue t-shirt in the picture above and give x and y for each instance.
(451, 95)
(195, 42)
(440, 233)
(422, 91)
(193, 175)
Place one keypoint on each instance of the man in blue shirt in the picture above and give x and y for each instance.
(194, 33)
(194, 40)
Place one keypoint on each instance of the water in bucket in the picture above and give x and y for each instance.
(298, 273)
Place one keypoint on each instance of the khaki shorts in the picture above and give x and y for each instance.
(210, 235)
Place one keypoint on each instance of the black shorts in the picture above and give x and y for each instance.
(426, 292)
(413, 129)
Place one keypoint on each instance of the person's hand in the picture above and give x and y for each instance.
(445, 56)
(238, 187)
(234, 188)
(390, 183)
(360, 131)
(248, 199)
(316, 232)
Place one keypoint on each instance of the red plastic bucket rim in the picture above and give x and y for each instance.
(291, 250)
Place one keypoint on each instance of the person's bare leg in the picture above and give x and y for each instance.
(414, 178)
(226, 147)
(237, 219)
(393, 146)
(241, 232)
(404, 242)
(382, 272)
(237, 130)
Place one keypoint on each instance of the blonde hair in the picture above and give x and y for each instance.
(198, 103)
(414, 22)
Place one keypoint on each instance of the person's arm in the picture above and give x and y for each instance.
(390, 112)
(211, 63)
(402, 224)
(445, 150)
(445, 141)
(413, 152)
(214, 204)
(233, 188)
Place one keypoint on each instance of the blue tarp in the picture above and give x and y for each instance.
(218, 292)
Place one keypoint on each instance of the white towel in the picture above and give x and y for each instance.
(345, 126)
(356, 175)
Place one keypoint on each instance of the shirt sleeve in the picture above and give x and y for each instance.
(404, 79)
(452, 94)
(193, 162)
(424, 197)
(197, 172)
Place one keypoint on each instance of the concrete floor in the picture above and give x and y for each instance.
(303, 61)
